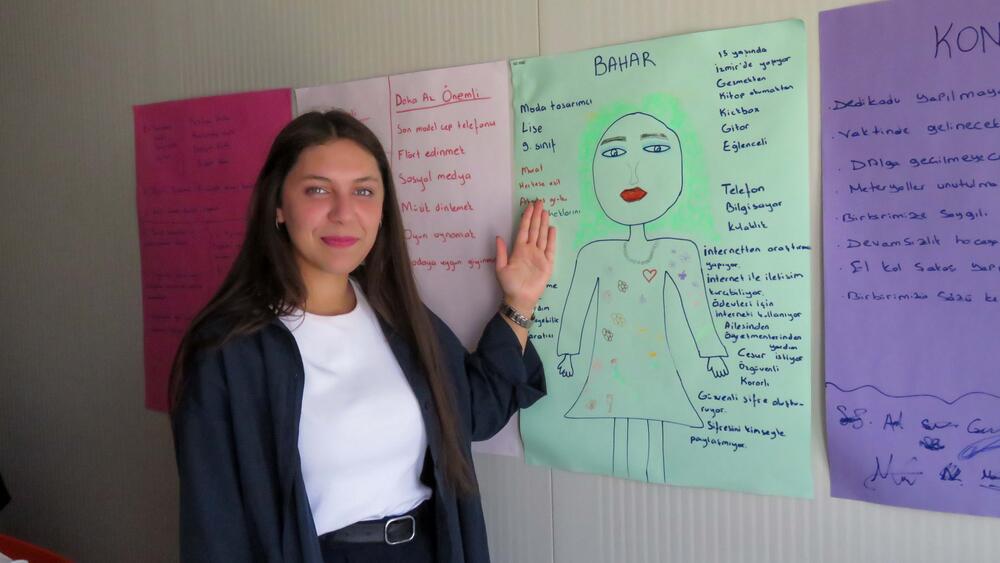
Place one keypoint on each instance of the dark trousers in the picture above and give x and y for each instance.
(418, 550)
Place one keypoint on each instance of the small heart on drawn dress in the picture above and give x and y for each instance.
(649, 274)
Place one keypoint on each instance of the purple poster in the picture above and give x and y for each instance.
(911, 205)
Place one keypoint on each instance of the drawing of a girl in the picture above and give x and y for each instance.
(633, 286)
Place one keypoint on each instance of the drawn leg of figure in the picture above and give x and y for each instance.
(638, 449)
(619, 448)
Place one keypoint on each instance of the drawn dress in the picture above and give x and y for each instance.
(633, 372)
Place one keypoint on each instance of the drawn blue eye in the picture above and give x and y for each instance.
(613, 152)
(656, 148)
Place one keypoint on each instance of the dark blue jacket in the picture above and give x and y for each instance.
(242, 496)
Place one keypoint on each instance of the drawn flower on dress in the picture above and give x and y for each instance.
(607, 295)
(597, 365)
(623, 286)
(685, 257)
(683, 275)
(618, 319)
(607, 334)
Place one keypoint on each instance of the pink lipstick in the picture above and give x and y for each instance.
(339, 242)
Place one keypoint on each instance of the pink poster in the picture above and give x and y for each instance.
(451, 156)
(367, 100)
(196, 162)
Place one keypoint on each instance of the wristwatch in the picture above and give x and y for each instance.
(516, 316)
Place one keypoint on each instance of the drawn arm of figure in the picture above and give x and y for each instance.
(696, 308)
(582, 288)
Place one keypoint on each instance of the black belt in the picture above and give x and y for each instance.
(391, 530)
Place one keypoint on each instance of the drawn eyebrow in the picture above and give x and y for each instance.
(612, 140)
(657, 135)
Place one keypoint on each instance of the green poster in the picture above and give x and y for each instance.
(676, 328)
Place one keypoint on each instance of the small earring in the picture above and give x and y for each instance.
(277, 225)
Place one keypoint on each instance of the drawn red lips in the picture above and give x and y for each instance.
(633, 194)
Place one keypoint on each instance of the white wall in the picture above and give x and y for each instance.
(92, 471)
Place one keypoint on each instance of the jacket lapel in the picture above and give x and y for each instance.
(417, 379)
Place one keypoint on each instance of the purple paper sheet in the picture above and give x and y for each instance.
(911, 205)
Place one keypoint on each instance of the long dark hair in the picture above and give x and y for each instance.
(265, 282)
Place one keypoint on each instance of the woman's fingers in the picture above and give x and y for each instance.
(501, 253)
(536, 221)
(522, 229)
(543, 230)
(550, 245)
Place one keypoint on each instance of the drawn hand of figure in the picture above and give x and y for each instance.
(565, 366)
(717, 367)
(524, 274)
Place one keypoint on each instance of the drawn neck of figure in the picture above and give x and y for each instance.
(638, 240)
(638, 248)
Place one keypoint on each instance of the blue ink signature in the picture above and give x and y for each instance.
(897, 477)
(932, 444)
(928, 425)
(950, 472)
(894, 424)
(854, 419)
(980, 429)
(986, 444)
(990, 477)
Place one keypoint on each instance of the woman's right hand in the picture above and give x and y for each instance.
(565, 366)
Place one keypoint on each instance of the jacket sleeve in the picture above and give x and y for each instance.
(212, 521)
(499, 379)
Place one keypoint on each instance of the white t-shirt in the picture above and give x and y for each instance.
(362, 439)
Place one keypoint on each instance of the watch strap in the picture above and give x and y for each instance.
(517, 316)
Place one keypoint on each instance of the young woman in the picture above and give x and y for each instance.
(320, 411)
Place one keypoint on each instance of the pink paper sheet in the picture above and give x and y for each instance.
(196, 162)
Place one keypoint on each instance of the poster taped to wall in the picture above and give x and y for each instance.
(676, 329)
(196, 162)
(911, 193)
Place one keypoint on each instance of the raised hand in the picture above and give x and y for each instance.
(525, 272)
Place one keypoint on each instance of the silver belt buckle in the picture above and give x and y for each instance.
(413, 529)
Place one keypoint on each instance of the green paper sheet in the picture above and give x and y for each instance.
(675, 331)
